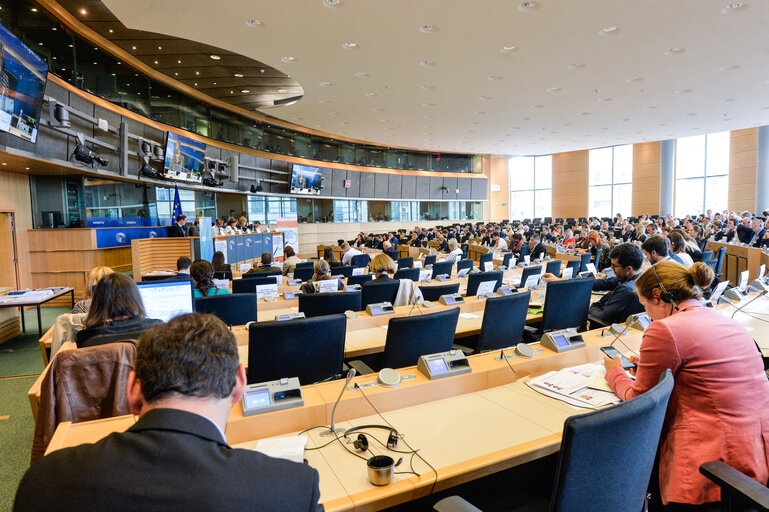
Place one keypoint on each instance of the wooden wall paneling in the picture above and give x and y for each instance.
(52, 239)
(151, 254)
(570, 184)
(646, 178)
(10, 326)
(15, 196)
(7, 269)
(743, 147)
(498, 201)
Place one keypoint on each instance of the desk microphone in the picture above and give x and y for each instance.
(332, 429)
(740, 308)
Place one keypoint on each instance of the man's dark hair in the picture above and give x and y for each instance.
(266, 258)
(183, 263)
(627, 255)
(193, 355)
(658, 244)
(180, 217)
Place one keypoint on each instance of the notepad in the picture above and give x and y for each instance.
(289, 448)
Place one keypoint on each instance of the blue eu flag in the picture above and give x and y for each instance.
(177, 209)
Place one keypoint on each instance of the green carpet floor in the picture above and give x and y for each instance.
(20, 364)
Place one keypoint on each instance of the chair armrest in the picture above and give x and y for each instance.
(735, 483)
(360, 367)
(454, 504)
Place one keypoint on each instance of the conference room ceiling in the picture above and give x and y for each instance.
(495, 76)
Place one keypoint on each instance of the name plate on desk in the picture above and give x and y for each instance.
(451, 299)
(424, 275)
(272, 396)
(328, 285)
(639, 321)
(488, 266)
(382, 308)
(463, 272)
(563, 340)
(358, 271)
(263, 291)
(444, 364)
(288, 316)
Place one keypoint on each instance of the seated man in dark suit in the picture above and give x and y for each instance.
(175, 457)
(538, 249)
(744, 231)
(266, 265)
(622, 301)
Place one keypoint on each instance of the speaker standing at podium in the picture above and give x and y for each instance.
(176, 456)
(719, 408)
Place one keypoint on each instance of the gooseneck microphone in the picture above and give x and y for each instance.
(742, 306)
(332, 430)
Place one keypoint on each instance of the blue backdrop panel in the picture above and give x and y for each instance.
(118, 237)
(266, 243)
(258, 246)
(231, 250)
(240, 248)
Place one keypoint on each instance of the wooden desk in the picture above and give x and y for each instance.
(510, 424)
(36, 304)
(737, 259)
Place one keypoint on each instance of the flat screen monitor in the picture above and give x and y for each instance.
(306, 179)
(166, 299)
(185, 158)
(22, 85)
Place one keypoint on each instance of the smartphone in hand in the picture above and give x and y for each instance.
(613, 352)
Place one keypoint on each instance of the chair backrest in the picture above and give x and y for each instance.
(408, 273)
(503, 321)
(597, 259)
(584, 260)
(309, 348)
(506, 259)
(574, 265)
(319, 304)
(489, 256)
(360, 260)
(359, 279)
(342, 270)
(476, 279)
(720, 261)
(304, 273)
(375, 291)
(249, 285)
(232, 309)
(443, 267)
(553, 267)
(223, 274)
(524, 250)
(433, 293)
(464, 263)
(706, 255)
(107, 339)
(567, 303)
(254, 275)
(530, 271)
(430, 260)
(405, 262)
(595, 445)
(306, 264)
(413, 336)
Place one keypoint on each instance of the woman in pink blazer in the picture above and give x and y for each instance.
(719, 408)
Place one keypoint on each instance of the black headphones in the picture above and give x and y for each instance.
(665, 296)
(361, 442)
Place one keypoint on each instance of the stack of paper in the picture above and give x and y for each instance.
(289, 448)
(575, 386)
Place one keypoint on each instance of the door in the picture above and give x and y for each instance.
(9, 262)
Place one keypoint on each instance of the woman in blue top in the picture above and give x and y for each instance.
(203, 274)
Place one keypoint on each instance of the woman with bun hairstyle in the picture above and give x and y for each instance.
(719, 407)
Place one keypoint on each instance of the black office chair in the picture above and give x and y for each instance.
(311, 349)
(147, 279)
(375, 291)
(476, 279)
(739, 492)
(574, 266)
(506, 259)
(306, 264)
(345, 270)
(254, 275)
(405, 263)
(597, 258)
(105, 339)
(319, 304)
(524, 251)
(414, 336)
(553, 267)
(433, 293)
(566, 304)
(223, 274)
(583, 261)
(464, 263)
(360, 260)
(720, 261)
(595, 445)
(529, 271)
(430, 260)
(304, 274)
(503, 321)
(359, 279)
(488, 257)
(441, 268)
(232, 309)
(407, 273)
(249, 285)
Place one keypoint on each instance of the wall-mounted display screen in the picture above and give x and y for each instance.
(306, 180)
(185, 158)
(22, 85)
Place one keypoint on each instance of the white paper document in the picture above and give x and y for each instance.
(289, 448)
(571, 385)
(469, 316)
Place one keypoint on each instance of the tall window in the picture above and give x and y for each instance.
(531, 187)
(702, 173)
(611, 181)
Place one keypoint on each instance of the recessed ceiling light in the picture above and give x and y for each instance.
(160, 47)
(232, 92)
(343, 122)
(733, 8)
(361, 74)
(377, 109)
(428, 104)
(731, 67)
(324, 101)
(332, 113)
(245, 91)
(536, 106)
(350, 45)
(133, 47)
(282, 90)
(333, 4)
(683, 91)
(554, 89)
(691, 114)
(496, 77)
(370, 94)
(509, 49)
(111, 31)
(584, 113)
(674, 51)
(427, 63)
(650, 107)
(576, 65)
(156, 62)
(634, 79)
(728, 100)
(604, 100)
(214, 83)
(324, 84)
(175, 74)
(427, 29)
(238, 75)
(626, 119)
(479, 112)
(33, 10)
(606, 31)
(487, 98)
(528, 6)
(83, 12)
(427, 87)
(215, 57)
(196, 84)
(253, 23)
(288, 59)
